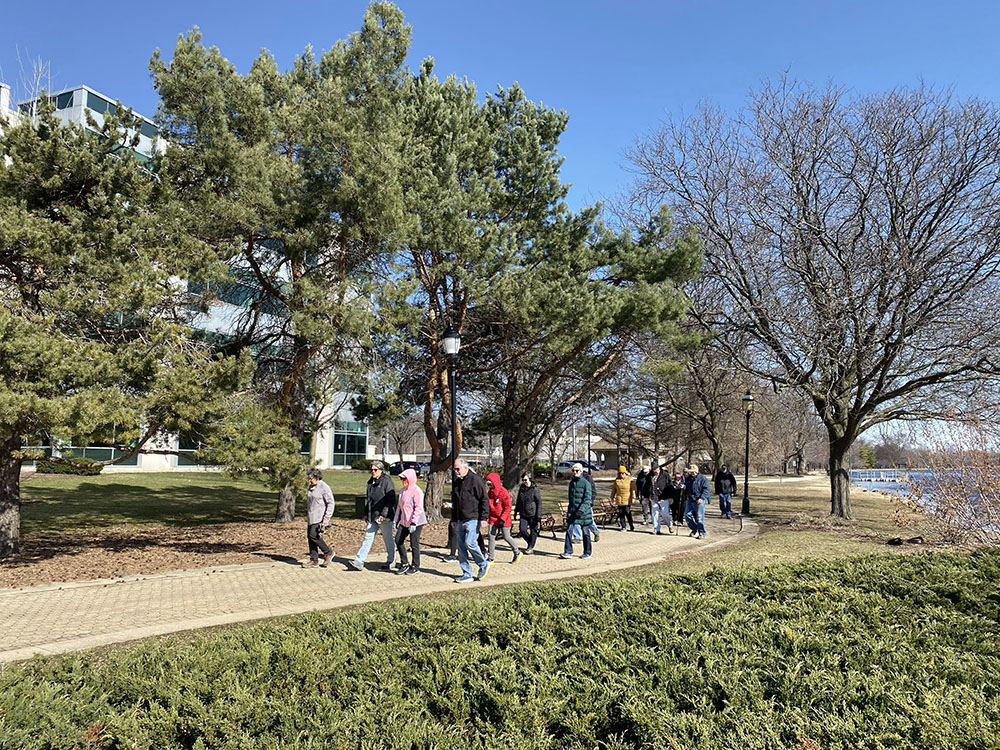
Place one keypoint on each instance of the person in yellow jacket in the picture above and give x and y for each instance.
(622, 493)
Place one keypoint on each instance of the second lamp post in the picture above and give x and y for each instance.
(748, 408)
(451, 342)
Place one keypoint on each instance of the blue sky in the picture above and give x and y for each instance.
(618, 68)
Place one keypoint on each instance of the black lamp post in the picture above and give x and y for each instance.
(748, 408)
(589, 415)
(452, 341)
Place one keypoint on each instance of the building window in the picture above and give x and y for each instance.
(350, 441)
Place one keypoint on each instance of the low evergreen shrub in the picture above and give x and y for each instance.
(874, 652)
(362, 464)
(78, 465)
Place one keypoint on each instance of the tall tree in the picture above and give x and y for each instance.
(855, 242)
(94, 343)
(294, 179)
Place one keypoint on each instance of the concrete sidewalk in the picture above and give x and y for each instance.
(57, 618)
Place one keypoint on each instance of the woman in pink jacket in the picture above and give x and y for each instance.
(410, 519)
(500, 520)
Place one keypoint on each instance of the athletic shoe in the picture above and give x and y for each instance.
(722, 515)
(410, 570)
(670, 530)
(357, 565)
(400, 566)
(517, 556)
(403, 570)
(387, 566)
(584, 557)
(658, 532)
(597, 536)
(326, 559)
(464, 578)
(693, 533)
(482, 572)
(450, 558)
(311, 564)
(529, 551)
(565, 556)
(701, 536)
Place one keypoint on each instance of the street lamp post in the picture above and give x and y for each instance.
(748, 408)
(452, 342)
(589, 415)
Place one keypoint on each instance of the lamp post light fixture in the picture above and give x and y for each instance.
(748, 408)
(589, 416)
(451, 341)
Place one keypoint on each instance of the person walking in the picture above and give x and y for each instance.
(380, 505)
(622, 493)
(725, 486)
(528, 509)
(470, 510)
(659, 500)
(579, 513)
(409, 519)
(698, 498)
(500, 520)
(319, 511)
(675, 491)
(642, 490)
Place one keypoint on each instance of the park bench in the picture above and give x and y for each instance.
(608, 512)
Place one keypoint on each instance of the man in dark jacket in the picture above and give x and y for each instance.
(579, 513)
(725, 487)
(528, 509)
(470, 511)
(380, 507)
(642, 490)
(698, 498)
(659, 499)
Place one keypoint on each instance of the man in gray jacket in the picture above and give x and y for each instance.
(380, 507)
(319, 511)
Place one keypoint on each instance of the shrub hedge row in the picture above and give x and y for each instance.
(80, 466)
(875, 652)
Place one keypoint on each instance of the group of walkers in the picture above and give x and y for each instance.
(482, 513)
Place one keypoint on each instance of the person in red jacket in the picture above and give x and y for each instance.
(500, 520)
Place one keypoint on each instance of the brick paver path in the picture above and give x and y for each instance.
(66, 617)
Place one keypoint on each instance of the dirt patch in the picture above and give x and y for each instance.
(129, 550)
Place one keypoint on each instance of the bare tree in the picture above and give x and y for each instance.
(856, 238)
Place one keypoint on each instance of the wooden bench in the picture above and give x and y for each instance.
(608, 512)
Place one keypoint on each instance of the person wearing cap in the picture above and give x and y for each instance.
(698, 498)
(725, 486)
(380, 506)
(579, 513)
(622, 493)
(642, 491)
(659, 500)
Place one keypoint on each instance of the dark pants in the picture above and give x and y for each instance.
(677, 512)
(401, 533)
(625, 513)
(529, 530)
(316, 542)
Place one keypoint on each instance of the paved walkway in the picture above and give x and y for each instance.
(65, 617)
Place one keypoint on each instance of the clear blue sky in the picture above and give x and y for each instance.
(616, 67)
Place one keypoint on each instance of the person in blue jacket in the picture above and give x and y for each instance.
(698, 498)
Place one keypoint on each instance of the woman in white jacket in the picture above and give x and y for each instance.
(410, 519)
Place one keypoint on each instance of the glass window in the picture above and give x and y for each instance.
(100, 104)
(148, 129)
(64, 100)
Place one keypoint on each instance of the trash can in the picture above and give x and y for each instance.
(360, 501)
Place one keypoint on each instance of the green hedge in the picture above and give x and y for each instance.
(877, 652)
(79, 466)
(362, 464)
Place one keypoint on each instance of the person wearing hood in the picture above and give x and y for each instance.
(380, 504)
(622, 493)
(725, 486)
(529, 511)
(409, 519)
(500, 520)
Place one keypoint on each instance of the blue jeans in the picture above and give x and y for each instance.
(592, 529)
(661, 509)
(725, 503)
(390, 544)
(695, 516)
(468, 544)
(575, 529)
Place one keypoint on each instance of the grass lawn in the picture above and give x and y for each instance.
(68, 503)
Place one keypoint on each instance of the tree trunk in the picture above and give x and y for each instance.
(286, 506)
(434, 495)
(10, 497)
(840, 480)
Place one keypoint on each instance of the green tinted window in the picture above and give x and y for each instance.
(100, 104)
(64, 100)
